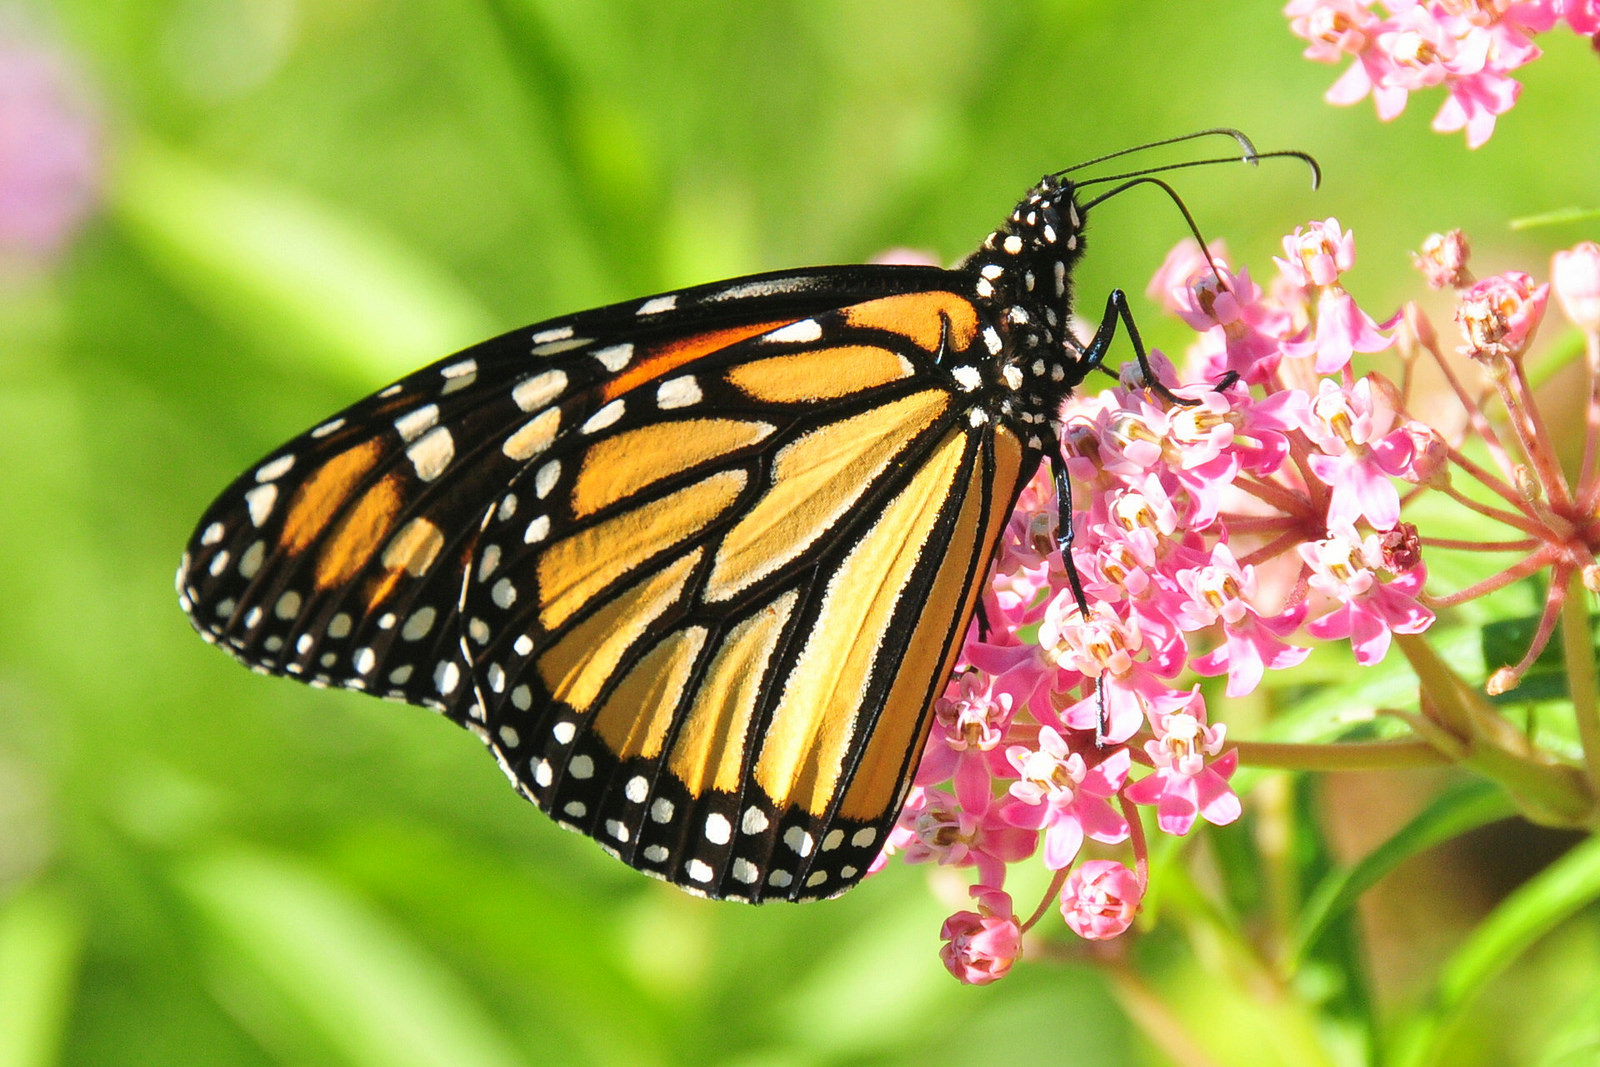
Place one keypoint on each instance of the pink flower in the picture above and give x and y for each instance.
(1499, 315)
(1183, 785)
(980, 946)
(969, 722)
(1361, 451)
(933, 826)
(50, 152)
(1058, 792)
(1575, 275)
(1317, 253)
(1582, 15)
(1101, 900)
(1346, 570)
(1225, 592)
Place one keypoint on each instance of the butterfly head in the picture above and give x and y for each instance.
(1024, 276)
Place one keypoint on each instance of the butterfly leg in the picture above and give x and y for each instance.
(1066, 532)
(1094, 353)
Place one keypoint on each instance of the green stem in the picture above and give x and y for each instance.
(1578, 650)
(1344, 756)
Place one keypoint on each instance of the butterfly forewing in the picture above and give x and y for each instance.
(695, 567)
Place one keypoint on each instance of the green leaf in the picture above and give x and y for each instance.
(41, 937)
(372, 993)
(1537, 907)
(306, 280)
(1465, 807)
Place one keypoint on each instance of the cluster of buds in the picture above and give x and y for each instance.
(1470, 47)
(1222, 537)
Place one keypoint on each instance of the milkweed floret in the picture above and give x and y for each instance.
(1469, 47)
(1227, 537)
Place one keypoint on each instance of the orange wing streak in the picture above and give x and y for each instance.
(321, 494)
(934, 646)
(659, 362)
(919, 318)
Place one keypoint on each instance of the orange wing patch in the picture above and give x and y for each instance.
(320, 495)
(919, 318)
(820, 374)
(358, 534)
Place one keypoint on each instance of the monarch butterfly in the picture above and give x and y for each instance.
(694, 567)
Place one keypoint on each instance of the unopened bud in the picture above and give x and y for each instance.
(1590, 576)
(1501, 681)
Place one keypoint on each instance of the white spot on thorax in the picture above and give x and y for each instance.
(967, 377)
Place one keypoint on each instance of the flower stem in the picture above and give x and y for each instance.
(1578, 651)
(1344, 756)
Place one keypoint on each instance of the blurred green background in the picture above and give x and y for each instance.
(298, 200)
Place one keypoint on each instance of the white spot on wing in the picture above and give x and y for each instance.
(754, 821)
(656, 305)
(614, 357)
(745, 871)
(581, 767)
(606, 416)
(534, 436)
(259, 501)
(678, 392)
(432, 453)
(804, 331)
(545, 480)
(414, 423)
(699, 870)
(274, 470)
(530, 394)
(538, 529)
(560, 333)
(967, 377)
(718, 830)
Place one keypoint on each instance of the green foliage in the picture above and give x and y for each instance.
(304, 199)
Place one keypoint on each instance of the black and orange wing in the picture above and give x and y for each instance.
(694, 567)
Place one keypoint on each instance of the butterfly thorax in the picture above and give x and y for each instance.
(1024, 277)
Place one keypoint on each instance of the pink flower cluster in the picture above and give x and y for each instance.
(1470, 47)
(1214, 538)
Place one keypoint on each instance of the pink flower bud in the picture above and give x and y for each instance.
(1101, 899)
(980, 946)
(1575, 275)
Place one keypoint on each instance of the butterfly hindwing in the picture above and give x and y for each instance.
(711, 634)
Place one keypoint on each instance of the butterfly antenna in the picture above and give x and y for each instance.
(1147, 177)
(1245, 145)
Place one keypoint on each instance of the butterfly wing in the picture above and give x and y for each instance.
(694, 567)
